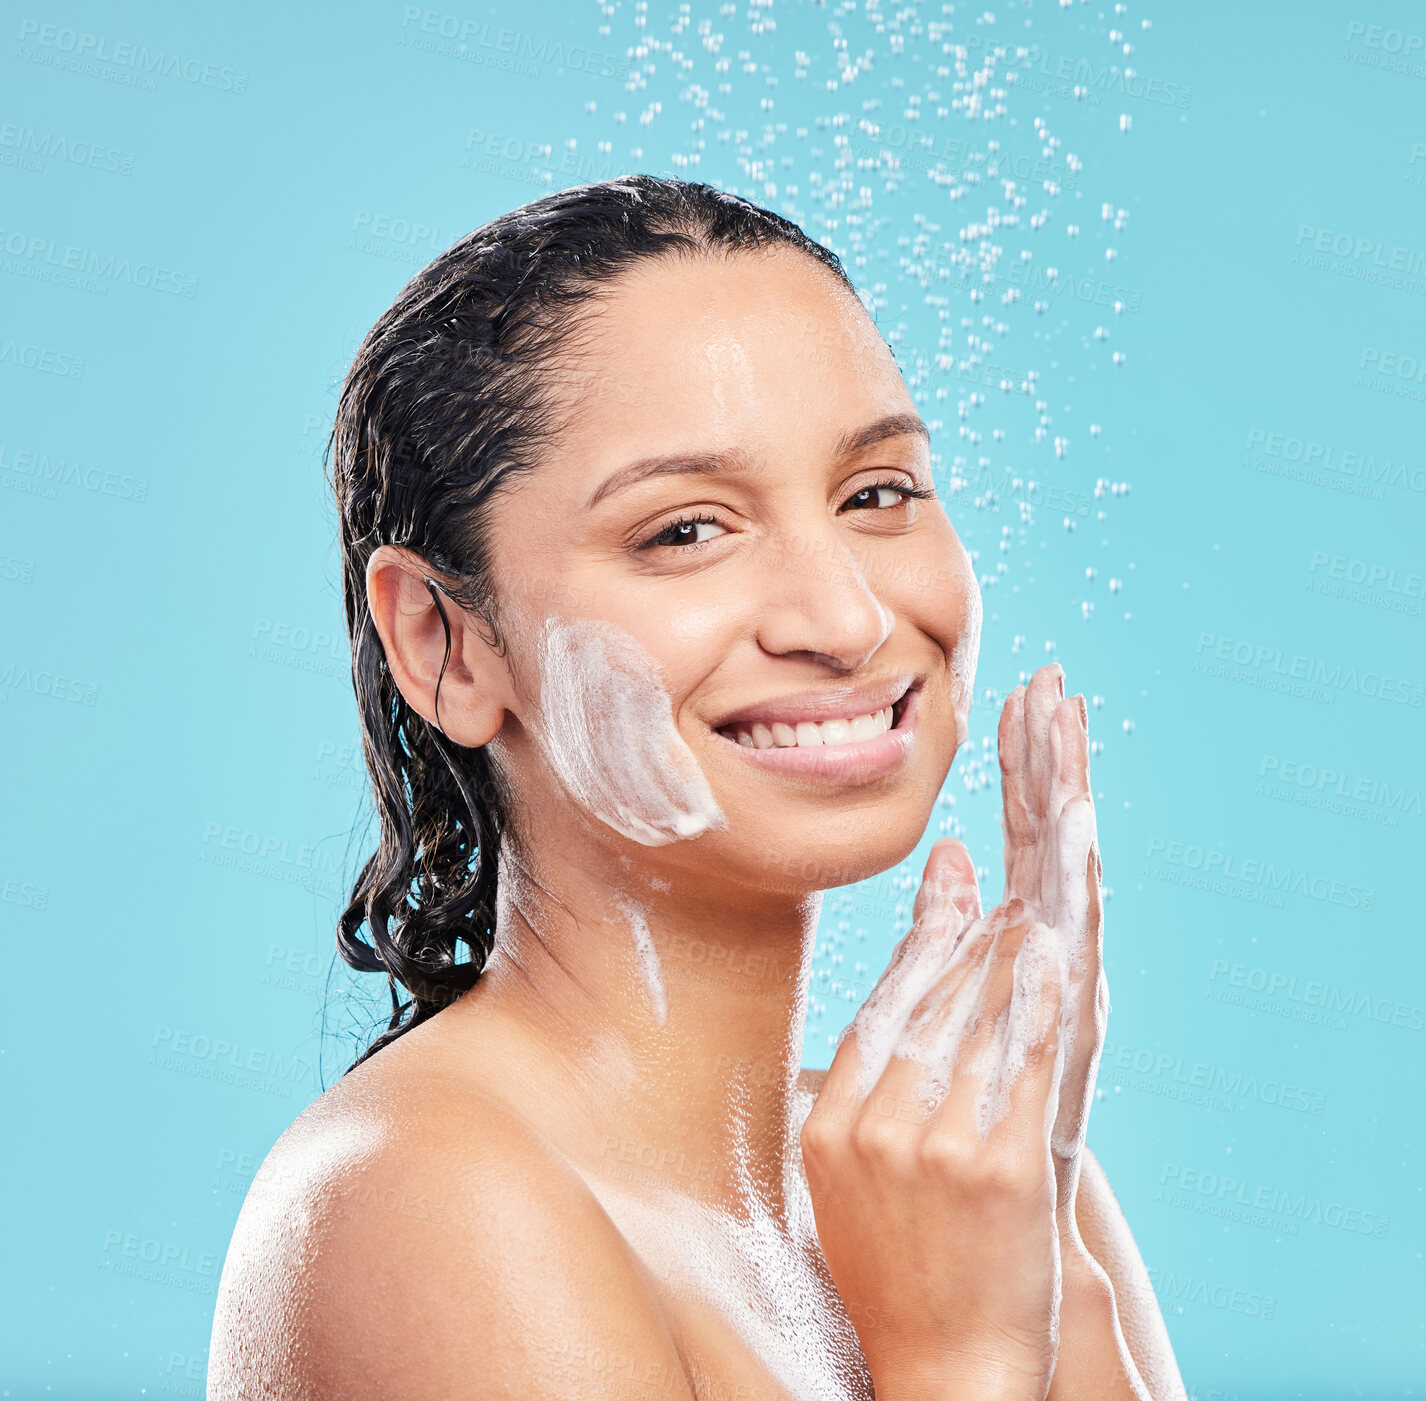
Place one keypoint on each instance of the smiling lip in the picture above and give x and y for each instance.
(816, 706)
(840, 763)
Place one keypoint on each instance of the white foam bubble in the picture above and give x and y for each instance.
(1074, 837)
(606, 726)
(650, 969)
(1037, 964)
(880, 1022)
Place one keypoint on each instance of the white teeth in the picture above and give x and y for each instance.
(806, 735)
(864, 727)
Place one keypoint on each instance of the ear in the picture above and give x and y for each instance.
(475, 687)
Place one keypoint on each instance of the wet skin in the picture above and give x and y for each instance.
(547, 1190)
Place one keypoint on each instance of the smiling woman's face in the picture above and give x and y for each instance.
(730, 495)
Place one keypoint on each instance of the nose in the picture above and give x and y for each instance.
(817, 603)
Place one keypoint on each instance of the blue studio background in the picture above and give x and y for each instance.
(1156, 276)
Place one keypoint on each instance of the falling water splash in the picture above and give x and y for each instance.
(940, 151)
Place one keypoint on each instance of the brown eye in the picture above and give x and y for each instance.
(683, 533)
(878, 497)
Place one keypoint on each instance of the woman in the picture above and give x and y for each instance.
(637, 525)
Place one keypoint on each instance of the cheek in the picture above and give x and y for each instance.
(966, 653)
(605, 724)
(949, 611)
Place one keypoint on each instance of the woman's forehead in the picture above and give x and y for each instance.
(719, 355)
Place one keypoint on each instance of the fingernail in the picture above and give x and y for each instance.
(1060, 679)
(1083, 714)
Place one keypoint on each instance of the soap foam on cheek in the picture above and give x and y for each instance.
(965, 656)
(607, 729)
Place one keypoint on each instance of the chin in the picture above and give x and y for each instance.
(797, 848)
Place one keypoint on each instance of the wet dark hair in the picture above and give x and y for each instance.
(450, 399)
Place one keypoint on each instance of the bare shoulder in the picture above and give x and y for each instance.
(403, 1240)
(1106, 1232)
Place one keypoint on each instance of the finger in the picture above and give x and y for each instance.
(976, 1056)
(1032, 1067)
(951, 995)
(1086, 989)
(1042, 695)
(953, 1034)
(948, 900)
(948, 882)
(866, 1045)
(907, 1063)
(1069, 753)
(1075, 842)
(1018, 816)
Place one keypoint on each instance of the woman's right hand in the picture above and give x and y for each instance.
(928, 1149)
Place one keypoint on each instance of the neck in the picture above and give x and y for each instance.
(668, 1011)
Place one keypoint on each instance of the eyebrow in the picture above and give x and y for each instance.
(737, 462)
